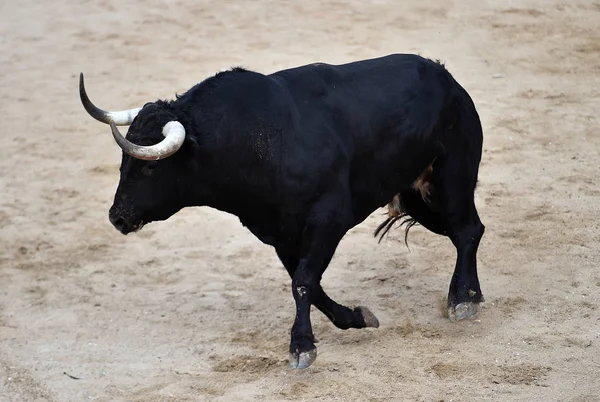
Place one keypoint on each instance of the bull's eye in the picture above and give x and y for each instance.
(148, 169)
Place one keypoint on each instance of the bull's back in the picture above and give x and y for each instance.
(381, 111)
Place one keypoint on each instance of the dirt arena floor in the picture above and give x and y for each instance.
(197, 309)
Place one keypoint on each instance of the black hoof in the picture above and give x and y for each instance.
(301, 360)
(464, 304)
(367, 316)
(462, 311)
(303, 353)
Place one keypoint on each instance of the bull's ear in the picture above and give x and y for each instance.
(191, 149)
(191, 143)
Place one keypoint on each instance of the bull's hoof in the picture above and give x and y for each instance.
(301, 360)
(368, 317)
(462, 311)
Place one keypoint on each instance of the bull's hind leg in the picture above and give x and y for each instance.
(449, 211)
(456, 181)
(465, 230)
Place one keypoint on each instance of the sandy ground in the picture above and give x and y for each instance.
(195, 308)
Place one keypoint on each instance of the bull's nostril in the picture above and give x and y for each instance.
(118, 222)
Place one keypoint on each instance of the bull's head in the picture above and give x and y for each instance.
(148, 191)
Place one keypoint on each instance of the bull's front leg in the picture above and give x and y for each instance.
(303, 351)
(341, 316)
(321, 236)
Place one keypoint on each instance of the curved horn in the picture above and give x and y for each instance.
(121, 118)
(174, 136)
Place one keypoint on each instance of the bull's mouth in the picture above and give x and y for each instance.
(138, 227)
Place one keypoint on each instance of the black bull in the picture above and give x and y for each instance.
(303, 155)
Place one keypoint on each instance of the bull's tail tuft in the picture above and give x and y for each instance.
(396, 213)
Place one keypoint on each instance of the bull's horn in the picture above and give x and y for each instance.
(121, 118)
(174, 136)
